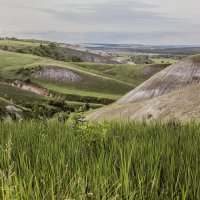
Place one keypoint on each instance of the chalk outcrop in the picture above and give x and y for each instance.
(55, 73)
(173, 93)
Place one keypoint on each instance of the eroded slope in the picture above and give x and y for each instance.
(184, 73)
(181, 104)
(57, 74)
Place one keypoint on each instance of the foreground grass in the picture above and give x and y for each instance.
(52, 160)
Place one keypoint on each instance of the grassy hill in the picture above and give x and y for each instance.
(93, 88)
(57, 51)
(180, 105)
(92, 83)
(172, 93)
(99, 80)
(76, 83)
(129, 73)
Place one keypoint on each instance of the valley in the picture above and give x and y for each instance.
(74, 83)
(78, 123)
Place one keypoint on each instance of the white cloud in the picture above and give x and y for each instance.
(121, 18)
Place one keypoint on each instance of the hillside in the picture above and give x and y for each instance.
(133, 74)
(21, 66)
(182, 104)
(61, 52)
(181, 74)
(34, 81)
(82, 79)
(9, 110)
(173, 93)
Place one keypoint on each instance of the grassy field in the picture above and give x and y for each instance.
(79, 91)
(10, 95)
(19, 44)
(164, 60)
(112, 160)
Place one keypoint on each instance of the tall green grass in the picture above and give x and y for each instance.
(112, 160)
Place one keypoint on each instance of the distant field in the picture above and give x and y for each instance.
(155, 57)
(164, 60)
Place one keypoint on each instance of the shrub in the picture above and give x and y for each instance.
(62, 116)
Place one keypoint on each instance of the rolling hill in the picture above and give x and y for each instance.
(172, 93)
(79, 79)
(22, 66)
(184, 73)
(46, 85)
(182, 104)
(62, 52)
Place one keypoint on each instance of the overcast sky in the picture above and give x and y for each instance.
(103, 21)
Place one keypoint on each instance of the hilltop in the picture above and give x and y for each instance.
(182, 104)
(172, 93)
(183, 73)
(57, 51)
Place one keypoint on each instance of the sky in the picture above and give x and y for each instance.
(148, 22)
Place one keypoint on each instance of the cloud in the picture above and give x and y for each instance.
(106, 12)
(110, 15)
(123, 21)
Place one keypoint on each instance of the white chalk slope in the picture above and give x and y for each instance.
(173, 93)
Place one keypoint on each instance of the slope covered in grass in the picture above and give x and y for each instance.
(62, 52)
(18, 95)
(18, 43)
(130, 73)
(11, 63)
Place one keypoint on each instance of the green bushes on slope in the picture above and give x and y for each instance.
(51, 50)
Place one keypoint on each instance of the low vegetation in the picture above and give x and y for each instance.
(38, 48)
(111, 160)
(167, 58)
(141, 59)
(37, 105)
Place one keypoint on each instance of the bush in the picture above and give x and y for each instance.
(27, 80)
(57, 103)
(141, 59)
(62, 116)
(75, 59)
